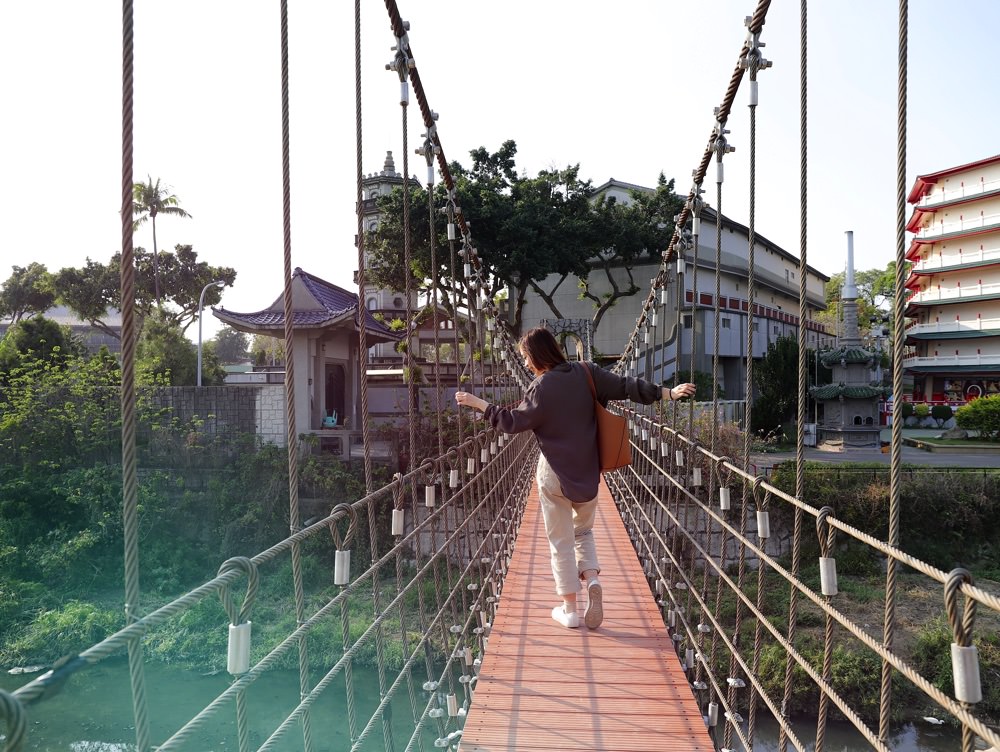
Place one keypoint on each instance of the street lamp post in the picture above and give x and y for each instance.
(201, 304)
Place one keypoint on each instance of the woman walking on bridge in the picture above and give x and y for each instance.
(558, 407)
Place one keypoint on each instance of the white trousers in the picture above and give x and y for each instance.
(569, 527)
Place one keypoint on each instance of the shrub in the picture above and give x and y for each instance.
(941, 412)
(61, 631)
(922, 410)
(982, 415)
(907, 410)
(952, 519)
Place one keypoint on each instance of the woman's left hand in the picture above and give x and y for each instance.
(682, 390)
(470, 400)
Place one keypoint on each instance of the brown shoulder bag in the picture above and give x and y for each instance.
(613, 447)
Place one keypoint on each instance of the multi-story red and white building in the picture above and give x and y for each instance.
(953, 331)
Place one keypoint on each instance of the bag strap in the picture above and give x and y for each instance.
(590, 379)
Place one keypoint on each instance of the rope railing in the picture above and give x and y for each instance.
(470, 533)
(641, 497)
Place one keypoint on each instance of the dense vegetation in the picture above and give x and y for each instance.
(61, 569)
(950, 519)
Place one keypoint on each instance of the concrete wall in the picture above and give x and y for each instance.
(226, 411)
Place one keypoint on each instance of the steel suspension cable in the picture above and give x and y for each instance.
(130, 477)
(898, 338)
(362, 305)
(365, 428)
(428, 150)
(793, 599)
(292, 436)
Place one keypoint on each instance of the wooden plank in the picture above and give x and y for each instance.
(618, 688)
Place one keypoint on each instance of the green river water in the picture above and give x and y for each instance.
(93, 713)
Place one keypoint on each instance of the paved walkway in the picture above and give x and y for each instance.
(910, 455)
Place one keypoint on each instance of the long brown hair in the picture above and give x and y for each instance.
(541, 348)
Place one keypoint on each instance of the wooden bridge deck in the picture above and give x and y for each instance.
(618, 688)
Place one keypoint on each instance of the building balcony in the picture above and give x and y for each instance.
(976, 190)
(957, 261)
(954, 294)
(989, 361)
(954, 329)
(944, 230)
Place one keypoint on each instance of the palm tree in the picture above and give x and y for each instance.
(148, 200)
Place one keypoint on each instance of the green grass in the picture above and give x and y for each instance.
(958, 442)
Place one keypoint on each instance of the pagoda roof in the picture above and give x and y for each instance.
(847, 354)
(317, 304)
(857, 391)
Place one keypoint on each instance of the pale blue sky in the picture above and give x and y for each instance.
(626, 89)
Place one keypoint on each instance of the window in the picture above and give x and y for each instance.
(756, 326)
(687, 321)
(371, 304)
(777, 329)
(725, 323)
(398, 302)
(372, 226)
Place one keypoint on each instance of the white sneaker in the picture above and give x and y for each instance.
(594, 614)
(569, 620)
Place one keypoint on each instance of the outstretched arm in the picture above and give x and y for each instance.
(611, 386)
(524, 417)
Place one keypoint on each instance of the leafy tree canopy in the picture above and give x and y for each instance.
(776, 380)
(37, 338)
(267, 351)
(231, 345)
(876, 292)
(27, 292)
(163, 351)
(525, 230)
(90, 291)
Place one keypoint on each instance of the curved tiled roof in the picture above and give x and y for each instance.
(332, 305)
(836, 391)
(847, 354)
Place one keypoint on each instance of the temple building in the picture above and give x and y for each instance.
(325, 345)
(848, 407)
(953, 333)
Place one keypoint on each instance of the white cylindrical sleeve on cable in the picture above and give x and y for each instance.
(342, 567)
(238, 661)
(828, 575)
(965, 672)
(763, 525)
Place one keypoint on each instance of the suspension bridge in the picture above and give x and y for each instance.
(697, 593)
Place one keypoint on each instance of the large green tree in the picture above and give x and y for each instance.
(629, 234)
(231, 345)
(876, 291)
(93, 289)
(149, 200)
(27, 292)
(37, 338)
(776, 381)
(163, 352)
(526, 230)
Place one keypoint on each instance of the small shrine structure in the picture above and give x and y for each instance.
(325, 349)
(848, 407)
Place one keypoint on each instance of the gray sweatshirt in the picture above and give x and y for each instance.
(559, 408)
